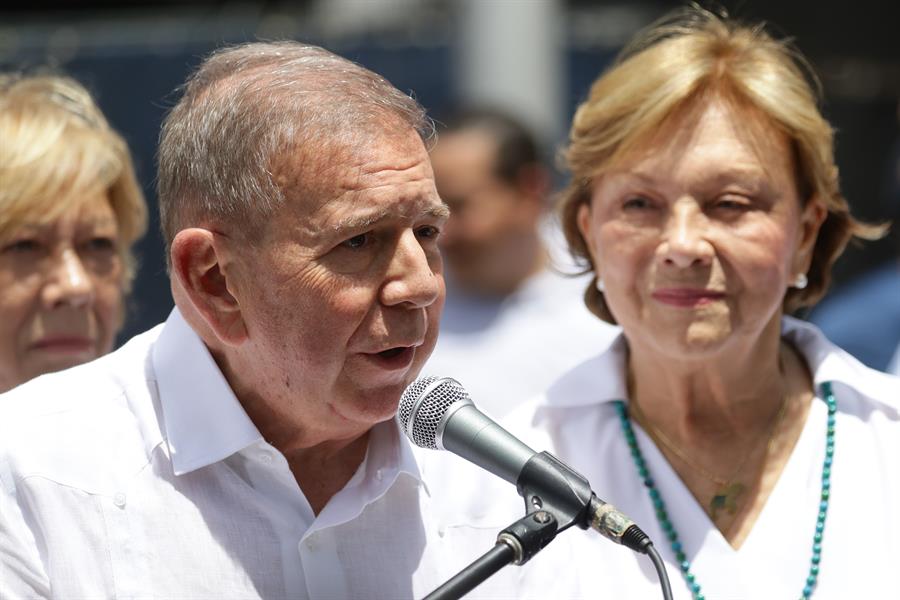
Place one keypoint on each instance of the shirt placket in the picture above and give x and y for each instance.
(322, 569)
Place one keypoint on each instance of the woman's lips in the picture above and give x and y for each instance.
(64, 344)
(686, 297)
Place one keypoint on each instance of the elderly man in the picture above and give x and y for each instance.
(246, 447)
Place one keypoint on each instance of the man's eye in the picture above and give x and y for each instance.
(23, 246)
(357, 241)
(429, 232)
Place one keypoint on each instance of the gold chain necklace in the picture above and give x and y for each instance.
(728, 491)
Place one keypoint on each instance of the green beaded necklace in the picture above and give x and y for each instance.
(663, 517)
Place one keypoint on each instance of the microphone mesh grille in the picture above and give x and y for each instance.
(410, 397)
(428, 410)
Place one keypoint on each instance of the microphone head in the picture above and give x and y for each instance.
(424, 405)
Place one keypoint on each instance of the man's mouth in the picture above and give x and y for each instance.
(391, 352)
(393, 359)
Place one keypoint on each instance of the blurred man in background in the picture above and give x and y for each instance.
(512, 321)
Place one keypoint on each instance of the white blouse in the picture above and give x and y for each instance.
(576, 420)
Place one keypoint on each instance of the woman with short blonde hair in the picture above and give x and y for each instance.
(71, 210)
(683, 59)
(705, 200)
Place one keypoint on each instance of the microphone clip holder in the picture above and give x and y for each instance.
(548, 485)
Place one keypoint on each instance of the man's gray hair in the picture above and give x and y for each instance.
(244, 106)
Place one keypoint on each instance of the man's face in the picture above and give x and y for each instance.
(343, 295)
(489, 216)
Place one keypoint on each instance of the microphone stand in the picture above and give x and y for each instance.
(556, 498)
(515, 544)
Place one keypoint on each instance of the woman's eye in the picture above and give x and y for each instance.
(636, 203)
(731, 204)
(357, 241)
(23, 246)
(100, 244)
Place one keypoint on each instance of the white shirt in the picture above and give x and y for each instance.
(139, 475)
(576, 421)
(509, 350)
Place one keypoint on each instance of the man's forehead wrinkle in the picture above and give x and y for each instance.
(368, 167)
(359, 186)
(363, 174)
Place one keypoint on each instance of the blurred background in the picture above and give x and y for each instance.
(535, 58)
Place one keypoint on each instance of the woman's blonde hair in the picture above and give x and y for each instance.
(57, 147)
(691, 54)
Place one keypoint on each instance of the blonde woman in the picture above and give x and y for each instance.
(762, 460)
(70, 211)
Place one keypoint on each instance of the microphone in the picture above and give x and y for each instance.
(437, 413)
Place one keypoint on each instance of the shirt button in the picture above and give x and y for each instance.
(379, 474)
(441, 531)
(119, 499)
(311, 542)
(266, 458)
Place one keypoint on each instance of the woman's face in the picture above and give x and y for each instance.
(698, 234)
(62, 299)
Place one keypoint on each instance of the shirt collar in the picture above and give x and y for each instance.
(389, 454)
(203, 419)
(828, 362)
(598, 380)
(601, 379)
(388, 457)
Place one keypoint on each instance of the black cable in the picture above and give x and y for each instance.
(660, 571)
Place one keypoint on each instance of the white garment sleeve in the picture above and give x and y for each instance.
(22, 573)
(894, 366)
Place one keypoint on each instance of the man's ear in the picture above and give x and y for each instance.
(199, 265)
(811, 219)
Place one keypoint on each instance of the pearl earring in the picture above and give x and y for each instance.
(598, 283)
(801, 281)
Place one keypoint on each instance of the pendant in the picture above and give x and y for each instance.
(726, 498)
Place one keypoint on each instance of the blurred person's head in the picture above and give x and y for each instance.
(301, 220)
(70, 211)
(488, 170)
(687, 77)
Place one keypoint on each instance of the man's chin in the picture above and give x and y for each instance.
(378, 405)
(379, 387)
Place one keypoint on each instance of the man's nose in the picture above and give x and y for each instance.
(411, 277)
(684, 238)
(68, 281)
